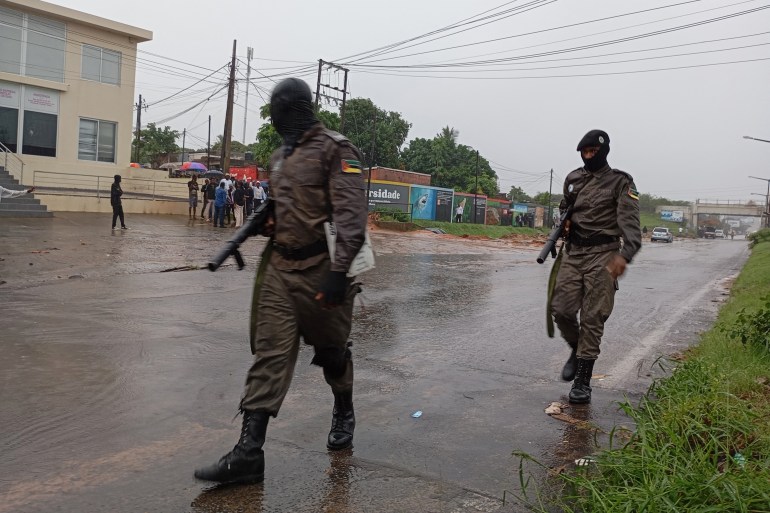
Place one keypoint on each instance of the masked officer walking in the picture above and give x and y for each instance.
(605, 209)
(315, 176)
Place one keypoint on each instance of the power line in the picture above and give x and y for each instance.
(583, 47)
(575, 25)
(188, 87)
(575, 75)
(519, 10)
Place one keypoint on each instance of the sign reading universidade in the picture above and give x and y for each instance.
(390, 195)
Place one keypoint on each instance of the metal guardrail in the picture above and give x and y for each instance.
(12, 163)
(51, 182)
(737, 203)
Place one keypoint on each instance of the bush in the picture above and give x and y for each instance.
(391, 215)
(760, 236)
(751, 327)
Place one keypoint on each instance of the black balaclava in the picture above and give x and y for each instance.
(117, 178)
(595, 138)
(291, 111)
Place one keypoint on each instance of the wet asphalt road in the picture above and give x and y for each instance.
(117, 378)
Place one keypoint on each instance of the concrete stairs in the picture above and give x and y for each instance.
(23, 206)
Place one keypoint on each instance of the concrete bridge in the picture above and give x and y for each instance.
(727, 208)
(733, 208)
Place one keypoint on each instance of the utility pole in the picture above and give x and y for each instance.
(371, 156)
(344, 90)
(228, 135)
(318, 83)
(550, 211)
(767, 200)
(476, 188)
(138, 128)
(249, 54)
(208, 146)
(344, 97)
(184, 137)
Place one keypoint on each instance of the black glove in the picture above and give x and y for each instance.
(333, 289)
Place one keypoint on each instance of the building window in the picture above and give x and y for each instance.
(101, 65)
(39, 136)
(9, 126)
(45, 49)
(96, 140)
(37, 111)
(31, 45)
(10, 41)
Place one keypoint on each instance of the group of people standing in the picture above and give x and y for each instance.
(230, 198)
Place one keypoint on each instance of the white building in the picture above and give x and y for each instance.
(66, 93)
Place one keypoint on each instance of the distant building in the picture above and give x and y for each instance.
(66, 89)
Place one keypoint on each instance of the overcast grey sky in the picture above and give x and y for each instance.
(678, 132)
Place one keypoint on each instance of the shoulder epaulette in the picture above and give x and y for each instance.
(624, 173)
(335, 136)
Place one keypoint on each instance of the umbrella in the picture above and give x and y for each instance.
(134, 164)
(213, 174)
(193, 166)
(170, 165)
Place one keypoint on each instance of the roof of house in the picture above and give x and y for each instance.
(138, 35)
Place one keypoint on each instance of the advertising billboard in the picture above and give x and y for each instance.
(676, 216)
(423, 200)
(391, 195)
(431, 203)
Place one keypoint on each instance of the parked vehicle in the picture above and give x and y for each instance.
(709, 232)
(660, 233)
(719, 234)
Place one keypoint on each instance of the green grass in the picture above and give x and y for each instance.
(702, 438)
(653, 220)
(491, 231)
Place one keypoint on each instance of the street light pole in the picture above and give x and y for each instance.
(767, 199)
(755, 139)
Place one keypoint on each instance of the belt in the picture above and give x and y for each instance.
(596, 240)
(301, 253)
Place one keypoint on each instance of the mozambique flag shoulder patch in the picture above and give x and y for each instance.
(633, 193)
(351, 166)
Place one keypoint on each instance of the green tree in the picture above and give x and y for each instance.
(268, 139)
(235, 146)
(390, 132)
(517, 195)
(450, 164)
(541, 198)
(156, 143)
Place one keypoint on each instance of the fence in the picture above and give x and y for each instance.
(12, 163)
(51, 182)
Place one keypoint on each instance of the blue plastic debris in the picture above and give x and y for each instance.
(417, 414)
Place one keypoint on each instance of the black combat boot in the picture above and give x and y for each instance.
(569, 369)
(581, 387)
(245, 464)
(343, 422)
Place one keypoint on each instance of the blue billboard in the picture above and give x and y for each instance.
(423, 200)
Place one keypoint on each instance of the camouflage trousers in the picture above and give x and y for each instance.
(287, 311)
(584, 286)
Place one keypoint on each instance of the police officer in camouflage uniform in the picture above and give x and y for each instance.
(605, 209)
(315, 177)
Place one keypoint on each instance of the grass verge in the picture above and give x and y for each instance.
(491, 231)
(702, 439)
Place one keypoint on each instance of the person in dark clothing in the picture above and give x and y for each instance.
(117, 204)
(205, 198)
(315, 176)
(249, 193)
(605, 210)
